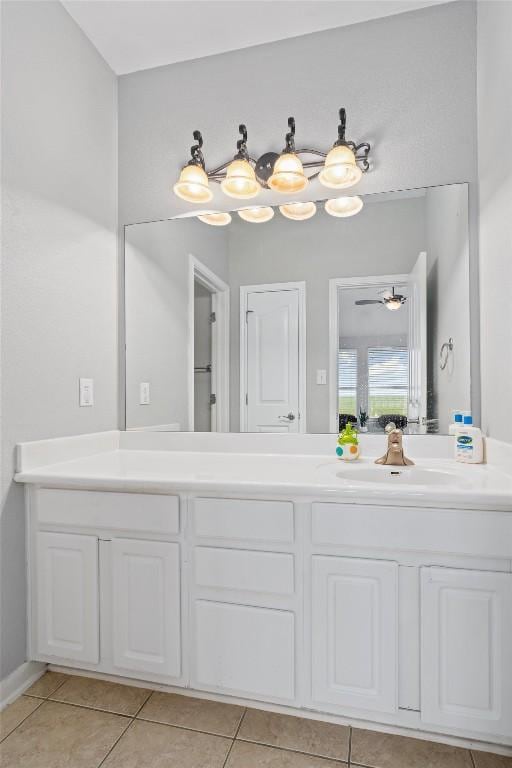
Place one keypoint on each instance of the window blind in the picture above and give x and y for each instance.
(388, 380)
(347, 381)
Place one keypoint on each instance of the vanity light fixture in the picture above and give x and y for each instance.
(215, 218)
(288, 173)
(240, 181)
(343, 207)
(340, 168)
(192, 185)
(257, 215)
(243, 176)
(298, 211)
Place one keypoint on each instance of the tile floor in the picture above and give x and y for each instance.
(77, 722)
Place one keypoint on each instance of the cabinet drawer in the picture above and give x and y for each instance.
(141, 512)
(458, 531)
(237, 569)
(244, 650)
(244, 519)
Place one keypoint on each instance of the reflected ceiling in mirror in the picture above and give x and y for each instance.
(300, 317)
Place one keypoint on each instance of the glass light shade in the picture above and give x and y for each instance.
(215, 218)
(192, 185)
(393, 304)
(257, 215)
(343, 206)
(340, 169)
(298, 211)
(240, 180)
(288, 174)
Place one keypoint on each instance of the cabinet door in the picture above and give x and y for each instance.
(146, 626)
(244, 650)
(466, 642)
(67, 596)
(354, 633)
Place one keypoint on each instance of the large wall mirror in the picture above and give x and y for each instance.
(300, 325)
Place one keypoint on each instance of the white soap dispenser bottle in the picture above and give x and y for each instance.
(469, 442)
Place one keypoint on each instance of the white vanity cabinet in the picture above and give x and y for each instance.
(67, 624)
(354, 633)
(466, 650)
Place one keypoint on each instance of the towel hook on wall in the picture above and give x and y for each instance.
(444, 353)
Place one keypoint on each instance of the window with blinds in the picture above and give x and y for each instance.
(347, 381)
(388, 380)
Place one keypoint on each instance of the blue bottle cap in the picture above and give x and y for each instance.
(458, 418)
(468, 420)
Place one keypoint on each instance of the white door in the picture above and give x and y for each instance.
(146, 624)
(466, 650)
(417, 410)
(272, 361)
(244, 650)
(67, 597)
(354, 633)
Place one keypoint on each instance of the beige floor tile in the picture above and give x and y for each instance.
(198, 714)
(60, 736)
(245, 755)
(383, 750)
(101, 694)
(488, 760)
(15, 713)
(47, 684)
(152, 745)
(311, 736)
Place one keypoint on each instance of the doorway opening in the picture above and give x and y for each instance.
(208, 358)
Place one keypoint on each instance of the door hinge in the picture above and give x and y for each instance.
(213, 399)
(247, 313)
(213, 317)
(247, 399)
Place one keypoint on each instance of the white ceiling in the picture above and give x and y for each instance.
(140, 34)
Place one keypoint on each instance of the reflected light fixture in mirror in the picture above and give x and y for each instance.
(215, 218)
(288, 172)
(192, 185)
(256, 215)
(298, 211)
(342, 207)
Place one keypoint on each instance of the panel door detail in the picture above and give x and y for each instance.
(355, 633)
(146, 626)
(466, 642)
(245, 650)
(272, 358)
(67, 597)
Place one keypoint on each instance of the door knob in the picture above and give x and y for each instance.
(290, 417)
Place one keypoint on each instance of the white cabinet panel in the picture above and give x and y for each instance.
(466, 650)
(244, 519)
(146, 606)
(67, 596)
(244, 650)
(238, 569)
(354, 633)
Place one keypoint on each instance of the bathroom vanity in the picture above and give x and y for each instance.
(251, 566)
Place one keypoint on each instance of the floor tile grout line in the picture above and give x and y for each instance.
(292, 749)
(234, 738)
(472, 758)
(22, 721)
(183, 727)
(85, 706)
(349, 758)
(116, 742)
(143, 704)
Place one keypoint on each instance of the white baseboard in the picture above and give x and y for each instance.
(18, 681)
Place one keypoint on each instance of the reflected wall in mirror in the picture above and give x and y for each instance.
(295, 326)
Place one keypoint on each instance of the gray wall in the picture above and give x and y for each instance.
(385, 238)
(59, 277)
(495, 171)
(408, 82)
(157, 313)
(448, 310)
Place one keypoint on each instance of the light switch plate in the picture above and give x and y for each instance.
(321, 376)
(144, 395)
(86, 393)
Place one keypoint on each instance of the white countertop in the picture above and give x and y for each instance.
(482, 486)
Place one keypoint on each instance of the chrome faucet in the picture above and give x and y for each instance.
(395, 454)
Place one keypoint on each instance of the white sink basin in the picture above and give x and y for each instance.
(391, 475)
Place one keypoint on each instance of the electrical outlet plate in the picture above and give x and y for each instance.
(86, 393)
(144, 395)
